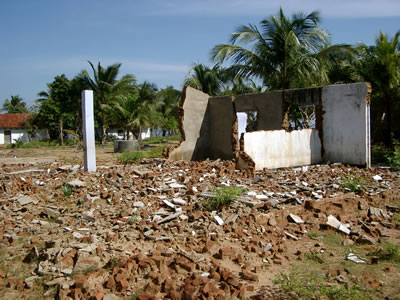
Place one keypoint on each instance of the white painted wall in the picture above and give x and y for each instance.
(16, 134)
(113, 132)
(278, 148)
(346, 125)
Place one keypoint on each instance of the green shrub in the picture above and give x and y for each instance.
(389, 252)
(394, 158)
(223, 196)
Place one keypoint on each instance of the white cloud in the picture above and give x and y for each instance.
(336, 8)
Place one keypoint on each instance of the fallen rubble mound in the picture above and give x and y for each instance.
(150, 231)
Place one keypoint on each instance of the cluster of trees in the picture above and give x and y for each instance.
(119, 103)
(295, 52)
(281, 53)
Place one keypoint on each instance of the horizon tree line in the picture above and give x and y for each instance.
(280, 53)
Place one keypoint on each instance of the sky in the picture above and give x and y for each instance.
(155, 40)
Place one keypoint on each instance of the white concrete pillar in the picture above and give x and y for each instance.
(89, 147)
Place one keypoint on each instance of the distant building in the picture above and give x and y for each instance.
(13, 128)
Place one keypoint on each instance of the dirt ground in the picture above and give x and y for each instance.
(65, 155)
(142, 231)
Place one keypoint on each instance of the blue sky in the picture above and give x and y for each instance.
(156, 40)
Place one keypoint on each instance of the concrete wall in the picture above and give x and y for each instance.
(346, 125)
(223, 116)
(194, 120)
(279, 148)
(268, 107)
(209, 127)
(23, 136)
(16, 135)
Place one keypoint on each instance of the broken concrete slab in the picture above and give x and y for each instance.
(335, 223)
(24, 200)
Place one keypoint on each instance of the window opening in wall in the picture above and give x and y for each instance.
(247, 121)
(251, 121)
(120, 132)
(301, 117)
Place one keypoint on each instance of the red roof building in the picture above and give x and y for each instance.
(10, 121)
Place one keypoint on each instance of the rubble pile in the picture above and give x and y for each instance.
(142, 230)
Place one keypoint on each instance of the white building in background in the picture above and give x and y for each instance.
(12, 128)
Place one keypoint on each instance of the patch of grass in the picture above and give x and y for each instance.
(130, 157)
(67, 190)
(314, 235)
(390, 252)
(27, 145)
(135, 156)
(396, 219)
(112, 263)
(353, 184)
(314, 257)
(224, 196)
(161, 139)
(310, 286)
(333, 239)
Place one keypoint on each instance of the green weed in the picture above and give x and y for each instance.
(224, 196)
(67, 190)
(353, 184)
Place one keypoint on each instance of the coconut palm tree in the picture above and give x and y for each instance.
(380, 65)
(283, 53)
(206, 79)
(169, 97)
(106, 86)
(15, 105)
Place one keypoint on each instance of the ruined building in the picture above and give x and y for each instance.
(213, 127)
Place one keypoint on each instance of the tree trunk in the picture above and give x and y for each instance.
(60, 131)
(140, 134)
(103, 129)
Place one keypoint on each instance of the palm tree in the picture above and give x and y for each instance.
(106, 86)
(169, 97)
(148, 114)
(284, 54)
(15, 105)
(380, 65)
(206, 79)
(122, 112)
